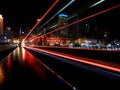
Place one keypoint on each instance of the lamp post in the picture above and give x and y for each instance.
(1, 24)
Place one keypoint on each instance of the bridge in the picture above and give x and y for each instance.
(73, 51)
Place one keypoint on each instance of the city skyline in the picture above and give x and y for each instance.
(20, 15)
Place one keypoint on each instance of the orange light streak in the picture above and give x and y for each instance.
(2, 75)
(41, 19)
(101, 64)
(23, 53)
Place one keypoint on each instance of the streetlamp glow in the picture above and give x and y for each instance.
(0, 16)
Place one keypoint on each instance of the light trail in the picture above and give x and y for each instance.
(41, 19)
(81, 20)
(97, 3)
(88, 17)
(58, 12)
(68, 83)
(97, 63)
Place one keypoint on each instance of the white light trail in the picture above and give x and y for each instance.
(58, 12)
(97, 3)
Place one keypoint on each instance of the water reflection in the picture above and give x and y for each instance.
(2, 75)
(9, 64)
(22, 70)
(32, 62)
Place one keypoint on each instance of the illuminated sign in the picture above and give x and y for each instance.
(63, 15)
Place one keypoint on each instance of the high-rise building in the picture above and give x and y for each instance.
(62, 21)
(1, 24)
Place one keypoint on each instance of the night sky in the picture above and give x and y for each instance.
(23, 12)
(26, 12)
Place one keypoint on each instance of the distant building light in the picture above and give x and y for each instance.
(23, 32)
(8, 28)
(5, 37)
(63, 15)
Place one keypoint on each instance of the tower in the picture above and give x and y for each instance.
(62, 21)
(1, 24)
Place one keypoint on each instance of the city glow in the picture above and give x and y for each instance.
(16, 41)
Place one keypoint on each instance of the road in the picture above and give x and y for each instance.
(21, 70)
(80, 72)
(37, 69)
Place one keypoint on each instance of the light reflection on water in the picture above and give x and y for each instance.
(2, 75)
(26, 59)
(33, 63)
(22, 68)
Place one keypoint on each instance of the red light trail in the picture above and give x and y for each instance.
(93, 15)
(41, 19)
(97, 63)
(81, 20)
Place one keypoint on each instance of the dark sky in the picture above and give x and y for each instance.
(24, 12)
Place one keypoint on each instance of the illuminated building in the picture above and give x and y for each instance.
(1, 24)
(62, 21)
